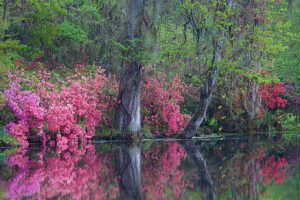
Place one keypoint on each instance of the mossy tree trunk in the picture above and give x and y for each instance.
(129, 108)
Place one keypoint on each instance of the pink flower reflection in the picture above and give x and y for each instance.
(80, 174)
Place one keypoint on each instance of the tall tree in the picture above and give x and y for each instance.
(211, 78)
(129, 108)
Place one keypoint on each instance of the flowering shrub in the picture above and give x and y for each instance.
(70, 108)
(160, 103)
(270, 95)
(26, 108)
(19, 131)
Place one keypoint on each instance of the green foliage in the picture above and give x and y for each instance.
(104, 132)
(290, 122)
(196, 81)
(212, 122)
(5, 153)
(7, 139)
(190, 104)
(8, 55)
(173, 42)
(277, 120)
(292, 137)
(146, 133)
(288, 190)
(133, 49)
(287, 62)
(259, 77)
(6, 115)
(73, 33)
(194, 195)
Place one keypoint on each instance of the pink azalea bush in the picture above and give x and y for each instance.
(161, 105)
(66, 110)
(270, 95)
(27, 110)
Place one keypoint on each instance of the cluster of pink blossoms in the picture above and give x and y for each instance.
(66, 111)
(27, 110)
(161, 105)
(270, 95)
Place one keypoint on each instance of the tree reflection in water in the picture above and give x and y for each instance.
(205, 178)
(129, 162)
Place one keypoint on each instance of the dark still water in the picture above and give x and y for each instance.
(211, 169)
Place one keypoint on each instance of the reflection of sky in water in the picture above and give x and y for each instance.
(229, 169)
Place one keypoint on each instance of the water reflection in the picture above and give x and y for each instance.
(129, 161)
(162, 173)
(80, 174)
(229, 169)
(205, 178)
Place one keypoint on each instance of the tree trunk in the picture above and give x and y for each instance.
(129, 111)
(129, 160)
(129, 108)
(4, 17)
(253, 102)
(205, 95)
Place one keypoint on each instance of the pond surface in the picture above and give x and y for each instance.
(230, 168)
